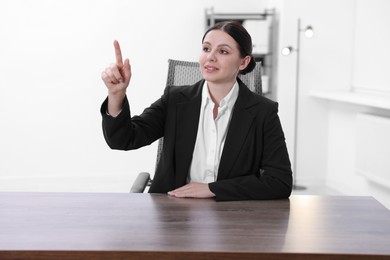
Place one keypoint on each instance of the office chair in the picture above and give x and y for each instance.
(187, 73)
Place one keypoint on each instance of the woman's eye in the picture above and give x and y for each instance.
(206, 49)
(223, 52)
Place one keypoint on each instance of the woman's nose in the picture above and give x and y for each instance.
(211, 56)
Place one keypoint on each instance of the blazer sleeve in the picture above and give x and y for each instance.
(124, 132)
(272, 177)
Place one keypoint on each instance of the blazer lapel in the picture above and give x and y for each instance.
(186, 129)
(240, 124)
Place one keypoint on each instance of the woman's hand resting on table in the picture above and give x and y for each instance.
(193, 190)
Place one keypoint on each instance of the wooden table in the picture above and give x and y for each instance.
(144, 226)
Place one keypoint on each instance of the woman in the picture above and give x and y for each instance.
(220, 139)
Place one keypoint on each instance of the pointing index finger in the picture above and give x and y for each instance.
(118, 54)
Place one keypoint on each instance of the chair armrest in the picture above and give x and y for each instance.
(140, 183)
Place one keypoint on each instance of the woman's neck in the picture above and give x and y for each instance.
(219, 91)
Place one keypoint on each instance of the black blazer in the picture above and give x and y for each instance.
(254, 162)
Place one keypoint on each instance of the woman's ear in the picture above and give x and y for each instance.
(244, 63)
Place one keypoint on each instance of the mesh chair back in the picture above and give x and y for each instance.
(183, 73)
(187, 73)
(253, 79)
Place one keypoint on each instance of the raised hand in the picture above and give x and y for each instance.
(117, 78)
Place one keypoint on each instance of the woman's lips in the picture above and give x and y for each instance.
(210, 68)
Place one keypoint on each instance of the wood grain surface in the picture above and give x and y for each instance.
(156, 226)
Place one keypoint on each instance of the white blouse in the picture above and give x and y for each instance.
(211, 136)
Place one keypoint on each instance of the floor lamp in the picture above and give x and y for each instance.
(308, 31)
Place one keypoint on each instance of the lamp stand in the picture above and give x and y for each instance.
(298, 50)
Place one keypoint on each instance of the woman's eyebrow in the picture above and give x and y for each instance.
(220, 45)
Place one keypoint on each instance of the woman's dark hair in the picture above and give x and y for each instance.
(241, 36)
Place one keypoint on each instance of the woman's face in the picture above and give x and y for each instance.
(220, 59)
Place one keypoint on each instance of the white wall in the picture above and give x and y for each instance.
(325, 63)
(51, 57)
(339, 57)
(370, 75)
(371, 48)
